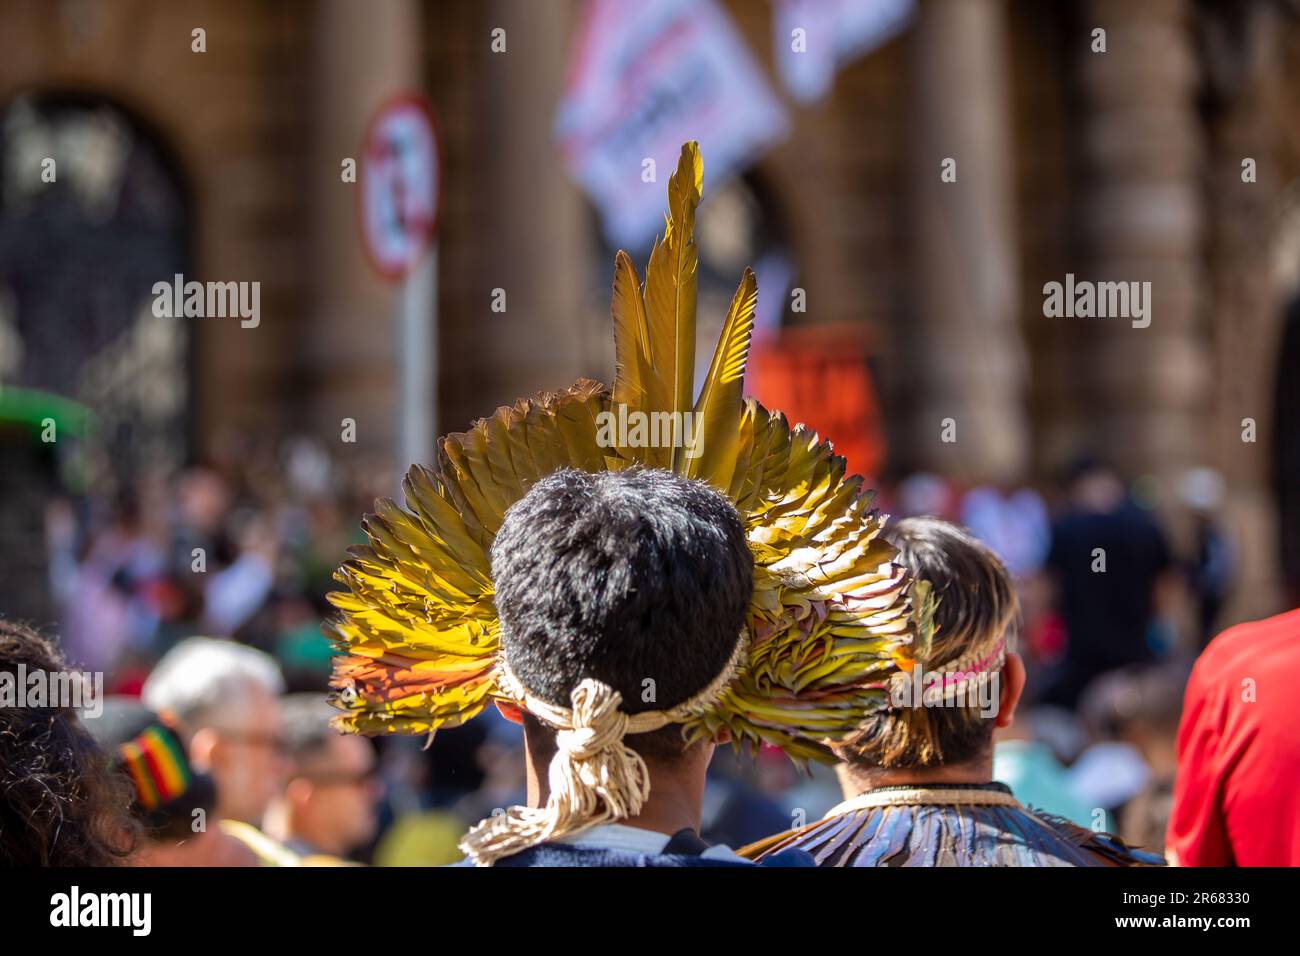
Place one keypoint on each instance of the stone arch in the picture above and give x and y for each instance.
(79, 257)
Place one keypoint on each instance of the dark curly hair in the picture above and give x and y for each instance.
(61, 804)
(622, 576)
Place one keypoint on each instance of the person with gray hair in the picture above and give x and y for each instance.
(225, 698)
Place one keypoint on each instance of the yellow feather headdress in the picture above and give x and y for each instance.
(831, 618)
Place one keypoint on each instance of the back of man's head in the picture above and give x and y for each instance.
(975, 614)
(640, 579)
(203, 677)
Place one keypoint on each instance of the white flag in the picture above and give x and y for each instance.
(814, 37)
(647, 77)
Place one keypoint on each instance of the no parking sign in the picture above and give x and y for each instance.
(400, 177)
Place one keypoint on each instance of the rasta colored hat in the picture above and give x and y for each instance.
(146, 748)
(832, 618)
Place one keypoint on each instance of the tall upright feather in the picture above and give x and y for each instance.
(633, 363)
(670, 294)
(715, 444)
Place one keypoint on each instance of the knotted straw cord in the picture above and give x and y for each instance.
(594, 777)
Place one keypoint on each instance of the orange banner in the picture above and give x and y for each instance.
(818, 375)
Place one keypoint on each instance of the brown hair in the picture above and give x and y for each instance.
(61, 803)
(976, 606)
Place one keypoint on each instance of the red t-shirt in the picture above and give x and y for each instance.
(1237, 794)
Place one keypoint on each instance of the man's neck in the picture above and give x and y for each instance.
(674, 803)
(856, 780)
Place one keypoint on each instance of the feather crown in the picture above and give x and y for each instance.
(831, 620)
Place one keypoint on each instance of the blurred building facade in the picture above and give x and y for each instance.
(1121, 165)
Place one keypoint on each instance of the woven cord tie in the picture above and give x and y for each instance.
(594, 778)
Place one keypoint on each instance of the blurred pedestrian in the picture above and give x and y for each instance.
(328, 805)
(1212, 569)
(225, 698)
(1132, 715)
(1108, 558)
(1014, 524)
(173, 802)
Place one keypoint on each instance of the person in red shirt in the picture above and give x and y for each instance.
(1237, 793)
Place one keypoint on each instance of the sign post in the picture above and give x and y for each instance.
(400, 191)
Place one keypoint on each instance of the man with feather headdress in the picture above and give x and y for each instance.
(632, 604)
(626, 593)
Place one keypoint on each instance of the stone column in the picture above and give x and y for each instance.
(965, 353)
(1244, 72)
(1141, 394)
(362, 55)
(536, 241)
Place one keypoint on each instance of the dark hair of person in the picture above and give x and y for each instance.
(307, 731)
(61, 802)
(976, 603)
(640, 579)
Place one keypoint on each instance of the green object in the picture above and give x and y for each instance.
(32, 408)
(305, 647)
(426, 838)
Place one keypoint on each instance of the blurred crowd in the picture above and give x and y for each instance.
(241, 550)
(243, 547)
